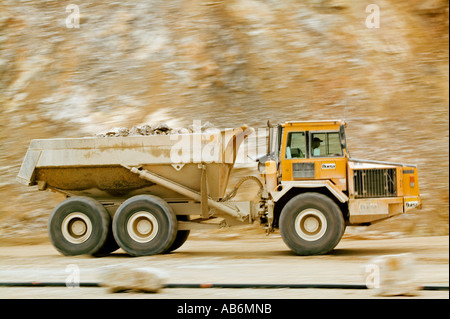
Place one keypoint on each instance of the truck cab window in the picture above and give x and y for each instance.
(296, 145)
(326, 144)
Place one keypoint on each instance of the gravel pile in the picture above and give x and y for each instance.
(159, 129)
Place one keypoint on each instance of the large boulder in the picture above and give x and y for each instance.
(119, 278)
(392, 275)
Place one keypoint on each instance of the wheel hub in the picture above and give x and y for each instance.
(76, 228)
(142, 227)
(310, 224)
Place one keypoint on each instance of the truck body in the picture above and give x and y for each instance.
(145, 193)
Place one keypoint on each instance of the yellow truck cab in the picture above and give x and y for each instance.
(319, 189)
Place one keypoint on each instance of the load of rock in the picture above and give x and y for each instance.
(158, 129)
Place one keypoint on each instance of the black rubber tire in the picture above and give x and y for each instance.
(182, 235)
(99, 219)
(163, 215)
(328, 209)
(110, 244)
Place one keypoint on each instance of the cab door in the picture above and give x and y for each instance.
(295, 159)
(329, 156)
(309, 155)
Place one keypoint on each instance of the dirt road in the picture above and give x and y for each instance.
(227, 258)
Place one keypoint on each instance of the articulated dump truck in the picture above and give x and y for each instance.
(145, 193)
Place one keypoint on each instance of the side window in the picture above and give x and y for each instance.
(325, 144)
(296, 145)
(334, 144)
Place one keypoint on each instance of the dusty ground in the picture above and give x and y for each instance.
(226, 257)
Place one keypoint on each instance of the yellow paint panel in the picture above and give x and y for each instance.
(331, 168)
(410, 181)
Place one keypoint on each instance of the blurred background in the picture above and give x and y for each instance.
(228, 62)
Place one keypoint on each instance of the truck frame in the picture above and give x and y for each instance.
(145, 193)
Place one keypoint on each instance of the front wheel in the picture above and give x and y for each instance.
(311, 224)
(182, 236)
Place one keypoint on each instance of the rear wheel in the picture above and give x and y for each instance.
(79, 225)
(311, 224)
(145, 225)
(182, 235)
(109, 246)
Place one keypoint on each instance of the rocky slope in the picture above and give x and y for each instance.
(228, 62)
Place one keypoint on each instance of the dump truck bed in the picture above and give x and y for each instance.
(94, 166)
